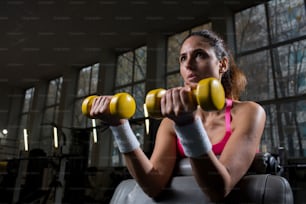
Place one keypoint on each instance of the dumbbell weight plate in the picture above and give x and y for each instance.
(87, 103)
(153, 102)
(122, 105)
(210, 94)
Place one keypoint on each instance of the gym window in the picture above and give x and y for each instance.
(24, 118)
(87, 85)
(271, 50)
(131, 69)
(50, 116)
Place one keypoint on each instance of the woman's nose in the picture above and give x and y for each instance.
(190, 63)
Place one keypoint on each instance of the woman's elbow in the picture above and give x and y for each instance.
(152, 190)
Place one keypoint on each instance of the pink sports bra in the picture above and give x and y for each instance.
(218, 147)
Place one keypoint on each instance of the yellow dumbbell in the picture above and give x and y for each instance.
(122, 105)
(209, 95)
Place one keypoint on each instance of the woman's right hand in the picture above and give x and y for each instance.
(100, 110)
(178, 105)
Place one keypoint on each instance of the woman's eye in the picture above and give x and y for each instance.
(182, 58)
(199, 54)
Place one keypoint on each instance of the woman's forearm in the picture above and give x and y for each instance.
(212, 176)
(142, 170)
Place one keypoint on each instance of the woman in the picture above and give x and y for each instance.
(221, 145)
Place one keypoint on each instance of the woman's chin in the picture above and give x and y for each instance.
(191, 83)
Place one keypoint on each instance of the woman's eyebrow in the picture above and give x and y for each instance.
(194, 51)
(199, 49)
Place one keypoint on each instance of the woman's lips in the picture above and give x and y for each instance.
(192, 78)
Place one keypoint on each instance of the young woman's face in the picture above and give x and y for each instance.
(198, 60)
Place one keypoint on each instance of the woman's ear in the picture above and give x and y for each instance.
(223, 65)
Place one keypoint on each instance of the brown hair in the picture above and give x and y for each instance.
(233, 80)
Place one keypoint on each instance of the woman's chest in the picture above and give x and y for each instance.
(215, 128)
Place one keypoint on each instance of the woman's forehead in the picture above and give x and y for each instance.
(194, 43)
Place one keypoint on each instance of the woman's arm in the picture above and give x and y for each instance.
(217, 177)
(154, 174)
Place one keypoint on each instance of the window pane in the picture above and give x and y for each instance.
(174, 44)
(23, 125)
(251, 28)
(174, 80)
(45, 140)
(79, 119)
(29, 94)
(285, 127)
(139, 132)
(290, 69)
(140, 63)
(124, 69)
(51, 93)
(257, 68)
(23, 122)
(54, 91)
(84, 81)
(127, 89)
(59, 89)
(139, 94)
(270, 137)
(94, 78)
(287, 19)
(292, 120)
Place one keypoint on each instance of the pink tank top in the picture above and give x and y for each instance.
(218, 147)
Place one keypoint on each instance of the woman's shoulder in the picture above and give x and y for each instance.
(247, 107)
(248, 119)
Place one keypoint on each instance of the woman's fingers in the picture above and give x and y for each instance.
(177, 101)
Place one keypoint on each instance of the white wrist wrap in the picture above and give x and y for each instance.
(125, 137)
(193, 138)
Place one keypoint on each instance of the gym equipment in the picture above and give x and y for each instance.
(254, 187)
(209, 95)
(122, 105)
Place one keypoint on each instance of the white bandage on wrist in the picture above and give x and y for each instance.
(193, 138)
(125, 137)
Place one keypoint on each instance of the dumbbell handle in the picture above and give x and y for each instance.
(122, 105)
(209, 95)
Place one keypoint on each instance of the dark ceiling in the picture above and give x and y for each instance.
(41, 39)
